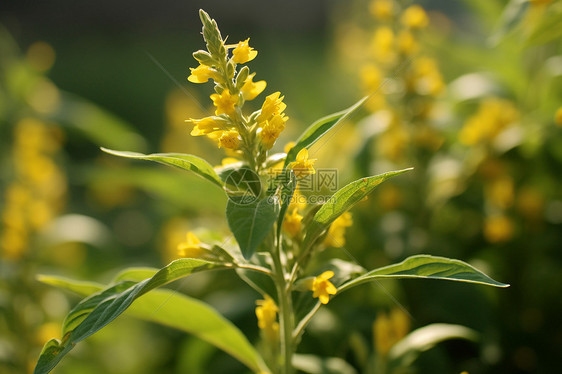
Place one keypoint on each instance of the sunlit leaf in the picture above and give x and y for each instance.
(427, 267)
(341, 201)
(178, 160)
(99, 309)
(171, 309)
(319, 129)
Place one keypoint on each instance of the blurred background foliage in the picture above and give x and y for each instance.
(467, 92)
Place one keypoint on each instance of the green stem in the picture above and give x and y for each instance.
(285, 313)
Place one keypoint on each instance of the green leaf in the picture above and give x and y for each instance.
(427, 267)
(341, 201)
(319, 129)
(170, 308)
(178, 160)
(96, 311)
(136, 274)
(197, 318)
(511, 18)
(322, 365)
(404, 352)
(548, 29)
(250, 220)
(80, 287)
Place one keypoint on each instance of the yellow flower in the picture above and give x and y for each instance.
(202, 74)
(500, 192)
(251, 89)
(407, 43)
(303, 166)
(336, 232)
(229, 139)
(492, 117)
(383, 44)
(272, 129)
(191, 247)
(558, 117)
(498, 228)
(272, 105)
(389, 329)
(414, 17)
(292, 223)
(322, 288)
(243, 52)
(426, 78)
(266, 312)
(225, 102)
(371, 78)
(288, 146)
(382, 9)
(204, 126)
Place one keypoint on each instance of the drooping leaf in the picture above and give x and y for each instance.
(322, 365)
(99, 309)
(427, 267)
(404, 352)
(341, 201)
(319, 129)
(197, 318)
(250, 220)
(178, 160)
(178, 311)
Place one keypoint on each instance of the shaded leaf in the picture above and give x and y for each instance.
(427, 267)
(250, 220)
(404, 352)
(178, 160)
(322, 365)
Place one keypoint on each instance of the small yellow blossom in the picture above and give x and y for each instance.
(272, 129)
(303, 166)
(558, 117)
(202, 74)
(322, 288)
(288, 146)
(493, 116)
(388, 329)
(272, 105)
(500, 192)
(414, 17)
(225, 102)
(425, 77)
(229, 139)
(191, 248)
(382, 9)
(292, 222)
(298, 201)
(383, 45)
(229, 160)
(336, 232)
(243, 53)
(498, 229)
(266, 312)
(407, 43)
(371, 78)
(251, 89)
(204, 126)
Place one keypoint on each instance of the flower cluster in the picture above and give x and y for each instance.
(37, 193)
(229, 127)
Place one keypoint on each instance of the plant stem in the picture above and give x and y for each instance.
(286, 318)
